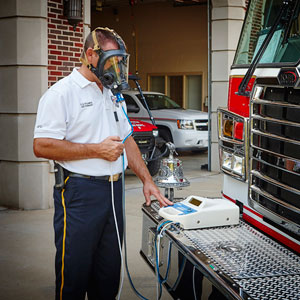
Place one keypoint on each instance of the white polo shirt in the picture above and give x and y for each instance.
(75, 109)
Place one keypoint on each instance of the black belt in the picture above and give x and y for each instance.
(115, 177)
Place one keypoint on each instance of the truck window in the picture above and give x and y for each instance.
(260, 17)
(158, 101)
(130, 101)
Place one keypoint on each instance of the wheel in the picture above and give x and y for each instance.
(153, 165)
(166, 135)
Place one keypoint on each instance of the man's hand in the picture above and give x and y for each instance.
(111, 148)
(151, 189)
(138, 166)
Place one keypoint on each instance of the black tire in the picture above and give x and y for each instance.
(153, 165)
(166, 135)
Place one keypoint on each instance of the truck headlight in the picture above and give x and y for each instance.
(227, 160)
(155, 132)
(233, 143)
(233, 163)
(238, 165)
(185, 124)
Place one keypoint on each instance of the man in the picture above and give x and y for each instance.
(81, 126)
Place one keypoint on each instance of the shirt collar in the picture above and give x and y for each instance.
(83, 82)
(79, 78)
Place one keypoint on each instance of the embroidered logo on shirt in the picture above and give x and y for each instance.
(86, 104)
(114, 100)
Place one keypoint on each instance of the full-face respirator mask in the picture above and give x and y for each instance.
(112, 66)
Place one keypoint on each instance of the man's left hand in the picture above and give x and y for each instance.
(138, 166)
(150, 189)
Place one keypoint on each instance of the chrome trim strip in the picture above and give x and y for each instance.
(275, 166)
(275, 103)
(272, 215)
(275, 153)
(247, 148)
(219, 126)
(268, 119)
(226, 111)
(274, 136)
(235, 175)
(236, 142)
(271, 197)
(275, 182)
(237, 151)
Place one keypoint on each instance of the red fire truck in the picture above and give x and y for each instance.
(259, 147)
(259, 131)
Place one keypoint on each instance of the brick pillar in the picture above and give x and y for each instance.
(64, 44)
(227, 21)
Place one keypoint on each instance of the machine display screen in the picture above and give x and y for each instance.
(195, 202)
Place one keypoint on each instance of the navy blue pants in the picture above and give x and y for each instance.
(87, 252)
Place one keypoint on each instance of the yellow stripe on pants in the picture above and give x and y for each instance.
(64, 240)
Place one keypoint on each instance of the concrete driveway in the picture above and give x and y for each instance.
(27, 242)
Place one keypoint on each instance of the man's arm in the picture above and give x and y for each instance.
(109, 149)
(137, 165)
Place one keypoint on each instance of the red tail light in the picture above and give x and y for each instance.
(238, 104)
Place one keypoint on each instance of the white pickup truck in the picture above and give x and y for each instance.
(186, 128)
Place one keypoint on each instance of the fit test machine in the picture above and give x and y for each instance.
(198, 212)
(200, 248)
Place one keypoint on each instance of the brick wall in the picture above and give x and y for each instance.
(64, 45)
(257, 22)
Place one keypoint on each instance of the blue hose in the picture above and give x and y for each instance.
(120, 98)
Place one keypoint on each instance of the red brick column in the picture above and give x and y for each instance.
(64, 45)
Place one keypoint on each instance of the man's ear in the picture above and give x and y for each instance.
(89, 54)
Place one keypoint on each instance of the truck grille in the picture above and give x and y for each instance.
(201, 125)
(144, 140)
(274, 182)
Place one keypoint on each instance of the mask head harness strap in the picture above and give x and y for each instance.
(107, 78)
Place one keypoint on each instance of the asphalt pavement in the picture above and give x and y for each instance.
(27, 241)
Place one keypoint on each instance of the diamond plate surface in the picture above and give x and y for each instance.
(262, 268)
(243, 252)
(272, 288)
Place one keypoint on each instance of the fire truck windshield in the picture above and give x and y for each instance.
(284, 46)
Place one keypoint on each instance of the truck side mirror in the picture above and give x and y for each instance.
(131, 108)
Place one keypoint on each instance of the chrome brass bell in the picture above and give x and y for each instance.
(170, 174)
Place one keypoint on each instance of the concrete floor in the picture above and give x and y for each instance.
(27, 242)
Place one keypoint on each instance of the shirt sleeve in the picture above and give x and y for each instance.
(51, 120)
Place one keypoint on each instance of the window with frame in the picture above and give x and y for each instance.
(185, 89)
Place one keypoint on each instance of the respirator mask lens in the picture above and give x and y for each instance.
(115, 72)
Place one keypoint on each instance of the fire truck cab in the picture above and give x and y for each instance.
(259, 150)
(259, 136)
